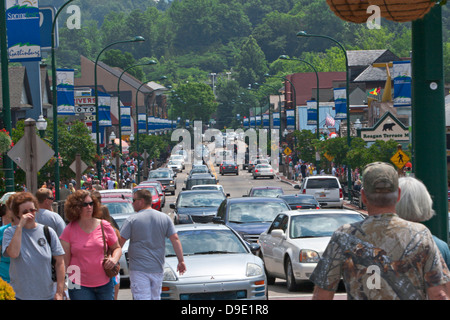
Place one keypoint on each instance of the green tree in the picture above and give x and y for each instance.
(306, 142)
(193, 101)
(251, 64)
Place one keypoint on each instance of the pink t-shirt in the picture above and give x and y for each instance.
(87, 252)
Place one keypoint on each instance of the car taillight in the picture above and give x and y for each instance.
(299, 207)
(256, 170)
(235, 167)
(340, 193)
(271, 170)
(304, 191)
(317, 207)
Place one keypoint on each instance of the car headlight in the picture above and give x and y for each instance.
(169, 275)
(171, 182)
(253, 270)
(308, 256)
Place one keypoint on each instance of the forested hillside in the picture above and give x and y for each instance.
(191, 39)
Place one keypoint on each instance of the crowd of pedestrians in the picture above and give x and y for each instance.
(44, 257)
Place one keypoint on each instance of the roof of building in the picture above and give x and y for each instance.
(18, 84)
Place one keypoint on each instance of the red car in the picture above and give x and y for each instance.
(156, 199)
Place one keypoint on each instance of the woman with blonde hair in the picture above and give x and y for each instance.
(83, 243)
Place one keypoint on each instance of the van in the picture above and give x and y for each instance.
(199, 178)
(326, 189)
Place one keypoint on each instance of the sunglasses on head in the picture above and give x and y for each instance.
(85, 204)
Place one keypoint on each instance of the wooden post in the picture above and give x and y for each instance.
(31, 155)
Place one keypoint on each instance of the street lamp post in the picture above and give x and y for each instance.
(54, 100)
(146, 123)
(41, 125)
(347, 85)
(97, 123)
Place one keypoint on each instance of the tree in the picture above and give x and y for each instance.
(250, 63)
(306, 141)
(193, 101)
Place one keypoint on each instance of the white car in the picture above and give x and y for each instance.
(263, 170)
(294, 243)
(220, 266)
(177, 157)
(327, 190)
(175, 165)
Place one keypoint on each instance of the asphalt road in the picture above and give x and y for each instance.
(237, 186)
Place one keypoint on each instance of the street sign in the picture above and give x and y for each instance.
(400, 159)
(287, 151)
(84, 109)
(329, 157)
(18, 153)
(83, 166)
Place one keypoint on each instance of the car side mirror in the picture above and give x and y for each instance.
(278, 233)
(297, 186)
(172, 206)
(227, 195)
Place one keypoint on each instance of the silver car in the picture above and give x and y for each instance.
(263, 170)
(295, 241)
(220, 266)
(124, 272)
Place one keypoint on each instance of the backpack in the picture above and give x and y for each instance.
(47, 236)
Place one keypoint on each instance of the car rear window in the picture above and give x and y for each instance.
(322, 183)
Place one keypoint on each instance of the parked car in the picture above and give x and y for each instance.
(327, 190)
(296, 240)
(156, 199)
(229, 167)
(249, 216)
(265, 192)
(199, 206)
(220, 266)
(300, 201)
(158, 187)
(263, 170)
(199, 178)
(166, 177)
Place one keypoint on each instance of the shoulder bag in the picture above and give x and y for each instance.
(116, 269)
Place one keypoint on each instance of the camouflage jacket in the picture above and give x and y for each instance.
(382, 258)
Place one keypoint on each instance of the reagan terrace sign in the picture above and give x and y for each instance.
(388, 127)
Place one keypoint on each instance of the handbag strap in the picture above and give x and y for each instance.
(104, 242)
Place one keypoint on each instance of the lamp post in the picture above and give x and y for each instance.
(347, 86)
(284, 57)
(97, 123)
(55, 103)
(118, 98)
(41, 125)
(146, 123)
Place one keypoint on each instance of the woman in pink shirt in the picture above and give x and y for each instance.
(82, 241)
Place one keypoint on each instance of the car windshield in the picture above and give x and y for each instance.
(159, 174)
(208, 187)
(119, 207)
(193, 182)
(264, 211)
(201, 199)
(319, 225)
(322, 183)
(157, 186)
(199, 170)
(266, 192)
(196, 242)
(263, 166)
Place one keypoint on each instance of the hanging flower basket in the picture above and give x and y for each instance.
(350, 10)
(402, 10)
(5, 141)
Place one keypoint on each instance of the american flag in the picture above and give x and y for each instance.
(329, 121)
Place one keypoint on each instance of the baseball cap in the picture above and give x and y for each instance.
(380, 177)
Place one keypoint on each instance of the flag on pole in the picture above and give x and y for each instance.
(329, 121)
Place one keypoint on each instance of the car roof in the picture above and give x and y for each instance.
(202, 191)
(296, 195)
(259, 188)
(115, 191)
(321, 177)
(115, 199)
(320, 211)
(201, 176)
(201, 226)
(255, 199)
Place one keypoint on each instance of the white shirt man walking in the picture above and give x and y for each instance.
(147, 231)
